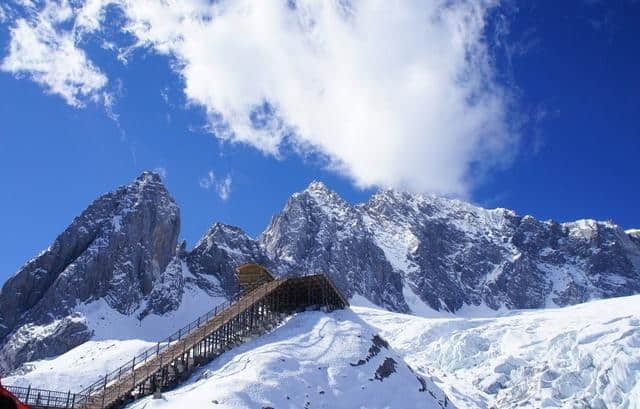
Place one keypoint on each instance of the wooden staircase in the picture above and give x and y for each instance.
(172, 360)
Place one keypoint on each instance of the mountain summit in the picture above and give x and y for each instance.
(115, 250)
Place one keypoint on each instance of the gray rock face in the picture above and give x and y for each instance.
(318, 232)
(220, 251)
(400, 251)
(115, 250)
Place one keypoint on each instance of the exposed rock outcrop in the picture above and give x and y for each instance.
(405, 251)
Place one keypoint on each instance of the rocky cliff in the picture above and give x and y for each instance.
(407, 252)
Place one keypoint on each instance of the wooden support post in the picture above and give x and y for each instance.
(133, 370)
(104, 390)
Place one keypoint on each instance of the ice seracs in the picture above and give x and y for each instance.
(583, 356)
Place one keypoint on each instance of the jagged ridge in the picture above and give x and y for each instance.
(405, 252)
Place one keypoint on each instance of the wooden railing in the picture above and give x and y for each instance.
(44, 398)
(198, 342)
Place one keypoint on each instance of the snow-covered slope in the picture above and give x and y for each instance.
(584, 356)
(80, 367)
(313, 360)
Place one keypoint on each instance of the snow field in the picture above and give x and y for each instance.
(314, 360)
(584, 356)
(79, 367)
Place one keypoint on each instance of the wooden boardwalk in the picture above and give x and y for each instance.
(173, 359)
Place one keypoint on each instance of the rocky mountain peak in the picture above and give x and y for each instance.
(147, 177)
(318, 186)
(441, 253)
(317, 194)
(114, 251)
(226, 231)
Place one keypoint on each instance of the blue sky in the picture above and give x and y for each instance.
(556, 132)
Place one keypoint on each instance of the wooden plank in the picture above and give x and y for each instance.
(251, 274)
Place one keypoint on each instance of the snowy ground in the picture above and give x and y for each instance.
(108, 324)
(314, 360)
(585, 356)
(79, 367)
(117, 339)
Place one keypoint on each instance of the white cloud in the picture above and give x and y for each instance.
(51, 57)
(208, 181)
(394, 94)
(221, 186)
(391, 93)
(224, 188)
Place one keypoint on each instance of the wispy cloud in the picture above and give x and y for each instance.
(208, 181)
(221, 186)
(164, 93)
(50, 56)
(3, 14)
(224, 188)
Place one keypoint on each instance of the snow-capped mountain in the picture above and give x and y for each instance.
(117, 269)
(221, 250)
(114, 269)
(319, 232)
(114, 251)
(418, 252)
